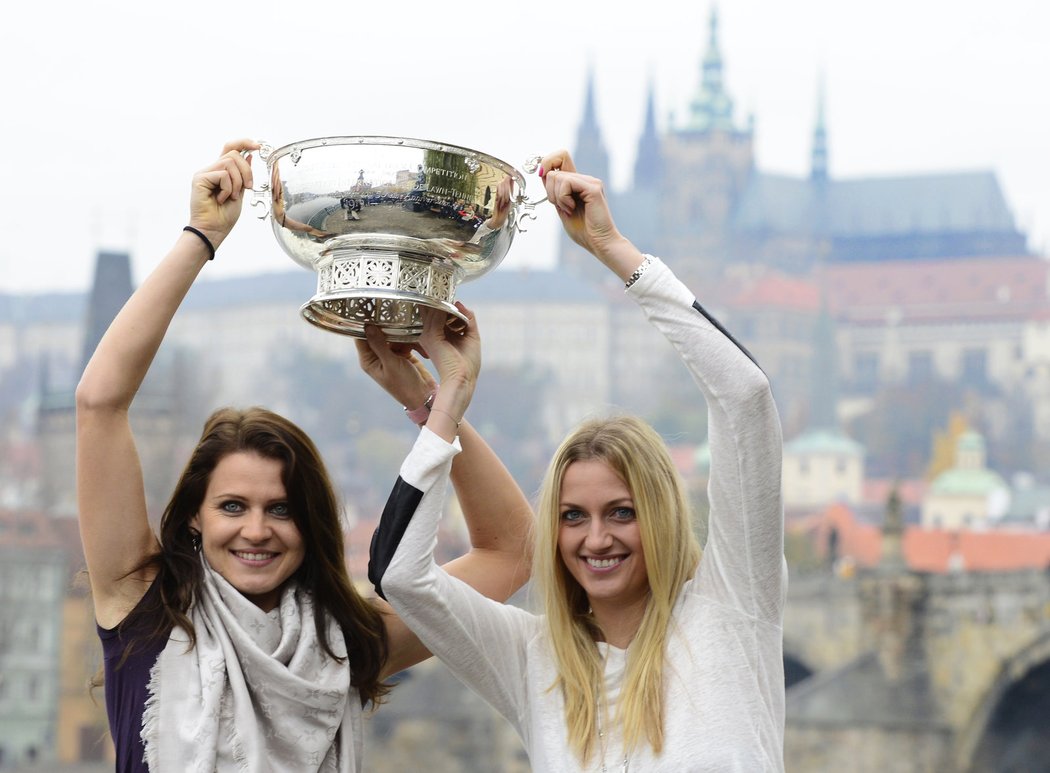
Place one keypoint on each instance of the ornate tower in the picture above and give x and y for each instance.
(818, 165)
(713, 161)
(711, 107)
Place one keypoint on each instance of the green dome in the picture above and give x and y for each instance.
(973, 483)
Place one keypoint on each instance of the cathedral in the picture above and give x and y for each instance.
(698, 200)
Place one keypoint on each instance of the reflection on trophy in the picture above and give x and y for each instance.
(389, 224)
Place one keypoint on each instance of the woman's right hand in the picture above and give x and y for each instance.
(396, 367)
(217, 192)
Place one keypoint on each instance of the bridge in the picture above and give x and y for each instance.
(896, 670)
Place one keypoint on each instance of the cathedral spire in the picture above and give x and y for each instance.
(590, 154)
(647, 165)
(819, 159)
(712, 107)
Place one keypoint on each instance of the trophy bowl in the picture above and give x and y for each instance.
(389, 224)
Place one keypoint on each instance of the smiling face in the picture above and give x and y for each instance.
(599, 540)
(247, 531)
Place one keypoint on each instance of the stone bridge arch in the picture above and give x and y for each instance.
(796, 666)
(1024, 678)
(962, 650)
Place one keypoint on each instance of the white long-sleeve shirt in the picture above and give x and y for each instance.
(724, 700)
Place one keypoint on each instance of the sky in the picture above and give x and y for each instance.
(109, 107)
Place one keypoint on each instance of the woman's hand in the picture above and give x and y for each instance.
(457, 358)
(584, 212)
(395, 367)
(217, 192)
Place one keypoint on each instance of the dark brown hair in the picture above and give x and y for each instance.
(316, 512)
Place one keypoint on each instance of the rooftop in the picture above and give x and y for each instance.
(933, 550)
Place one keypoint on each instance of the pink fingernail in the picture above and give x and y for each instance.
(542, 172)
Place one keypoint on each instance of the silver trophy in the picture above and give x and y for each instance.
(390, 224)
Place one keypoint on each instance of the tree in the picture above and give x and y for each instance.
(898, 430)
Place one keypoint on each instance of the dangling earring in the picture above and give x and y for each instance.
(195, 540)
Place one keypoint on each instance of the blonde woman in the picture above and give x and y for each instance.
(645, 657)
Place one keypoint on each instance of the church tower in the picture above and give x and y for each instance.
(152, 415)
(110, 290)
(590, 154)
(56, 414)
(637, 210)
(648, 164)
(591, 158)
(818, 164)
(712, 158)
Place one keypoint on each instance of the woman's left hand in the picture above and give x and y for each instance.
(457, 358)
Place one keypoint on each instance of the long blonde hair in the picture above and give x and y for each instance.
(634, 450)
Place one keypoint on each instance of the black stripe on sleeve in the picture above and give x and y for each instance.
(400, 507)
(726, 333)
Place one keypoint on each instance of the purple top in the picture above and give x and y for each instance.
(126, 685)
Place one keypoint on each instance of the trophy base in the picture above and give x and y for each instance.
(362, 287)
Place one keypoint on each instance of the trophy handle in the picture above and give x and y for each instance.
(261, 195)
(531, 165)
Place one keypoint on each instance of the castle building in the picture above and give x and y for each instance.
(699, 200)
(925, 276)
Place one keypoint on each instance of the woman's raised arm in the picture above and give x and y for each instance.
(111, 501)
(497, 513)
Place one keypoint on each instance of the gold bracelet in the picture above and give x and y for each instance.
(439, 410)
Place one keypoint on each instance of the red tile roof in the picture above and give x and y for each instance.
(776, 291)
(932, 550)
(1006, 288)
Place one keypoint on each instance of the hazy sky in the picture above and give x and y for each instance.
(109, 107)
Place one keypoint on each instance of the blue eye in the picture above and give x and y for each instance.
(623, 513)
(572, 516)
(281, 510)
(231, 507)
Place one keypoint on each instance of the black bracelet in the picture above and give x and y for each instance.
(205, 239)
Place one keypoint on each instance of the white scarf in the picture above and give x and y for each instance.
(257, 692)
